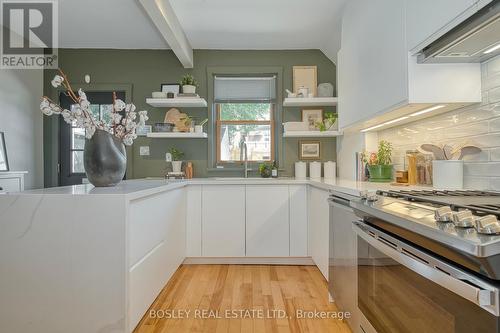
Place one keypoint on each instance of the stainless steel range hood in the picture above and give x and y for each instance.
(475, 40)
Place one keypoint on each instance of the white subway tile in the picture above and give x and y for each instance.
(482, 169)
(490, 82)
(492, 66)
(495, 154)
(476, 183)
(494, 95)
(494, 184)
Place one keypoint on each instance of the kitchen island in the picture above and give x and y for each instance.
(84, 259)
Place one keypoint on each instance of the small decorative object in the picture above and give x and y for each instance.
(312, 117)
(105, 158)
(170, 95)
(379, 164)
(325, 90)
(265, 170)
(144, 151)
(328, 123)
(4, 161)
(177, 118)
(174, 88)
(177, 156)
(164, 127)
(292, 126)
(159, 94)
(143, 130)
(305, 76)
(303, 92)
(189, 170)
(199, 128)
(309, 150)
(290, 94)
(188, 84)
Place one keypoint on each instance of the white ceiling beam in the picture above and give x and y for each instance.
(164, 18)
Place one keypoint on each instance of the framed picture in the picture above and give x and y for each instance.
(312, 117)
(305, 76)
(4, 162)
(143, 130)
(171, 87)
(309, 150)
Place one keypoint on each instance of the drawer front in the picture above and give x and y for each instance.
(10, 184)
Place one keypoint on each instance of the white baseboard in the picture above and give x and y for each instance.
(302, 261)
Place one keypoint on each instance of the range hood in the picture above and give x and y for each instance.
(475, 40)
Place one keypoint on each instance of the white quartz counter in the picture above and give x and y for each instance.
(137, 188)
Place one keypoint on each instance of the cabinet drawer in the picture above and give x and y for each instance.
(10, 184)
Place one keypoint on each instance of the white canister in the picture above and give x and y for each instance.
(300, 170)
(329, 170)
(448, 174)
(315, 170)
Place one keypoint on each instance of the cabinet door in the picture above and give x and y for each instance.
(427, 20)
(318, 228)
(223, 220)
(10, 184)
(267, 221)
(193, 221)
(373, 60)
(298, 220)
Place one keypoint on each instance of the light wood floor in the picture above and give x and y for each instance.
(256, 288)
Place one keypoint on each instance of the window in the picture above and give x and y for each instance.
(77, 136)
(244, 114)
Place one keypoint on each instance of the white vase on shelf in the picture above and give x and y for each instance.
(177, 166)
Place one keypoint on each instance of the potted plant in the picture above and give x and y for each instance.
(328, 122)
(188, 84)
(380, 163)
(265, 170)
(177, 156)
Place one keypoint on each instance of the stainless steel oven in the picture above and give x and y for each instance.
(403, 288)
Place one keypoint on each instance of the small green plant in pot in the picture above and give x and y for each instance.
(188, 84)
(177, 156)
(380, 163)
(265, 170)
(328, 122)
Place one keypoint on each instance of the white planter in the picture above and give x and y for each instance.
(188, 89)
(448, 174)
(176, 166)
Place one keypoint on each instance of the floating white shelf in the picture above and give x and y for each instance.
(311, 134)
(183, 102)
(177, 135)
(314, 101)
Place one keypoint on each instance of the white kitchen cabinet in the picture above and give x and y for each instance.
(223, 220)
(267, 221)
(318, 219)
(298, 220)
(12, 181)
(193, 221)
(372, 62)
(380, 81)
(427, 20)
(157, 235)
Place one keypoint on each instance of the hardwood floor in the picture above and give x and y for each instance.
(242, 298)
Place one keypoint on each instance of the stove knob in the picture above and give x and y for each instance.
(443, 214)
(463, 219)
(372, 197)
(488, 225)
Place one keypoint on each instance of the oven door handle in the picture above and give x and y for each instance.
(416, 261)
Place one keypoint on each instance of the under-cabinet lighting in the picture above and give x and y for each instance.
(492, 49)
(371, 128)
(433, 108)
(395, 121)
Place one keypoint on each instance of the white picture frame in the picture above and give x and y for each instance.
(4, 161)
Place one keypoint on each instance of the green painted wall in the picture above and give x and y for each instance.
(145, 70)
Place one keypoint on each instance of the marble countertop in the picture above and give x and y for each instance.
(138, 188)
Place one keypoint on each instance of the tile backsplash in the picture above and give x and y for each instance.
(477, 125)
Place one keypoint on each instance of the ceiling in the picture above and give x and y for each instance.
(113, 24)
(208, 24)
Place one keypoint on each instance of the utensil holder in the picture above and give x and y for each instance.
(448, 174)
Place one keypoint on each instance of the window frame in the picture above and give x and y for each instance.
(219, 123)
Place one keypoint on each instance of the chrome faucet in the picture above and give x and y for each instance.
(244, 156)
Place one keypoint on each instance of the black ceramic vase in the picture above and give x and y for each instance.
(104, 159)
